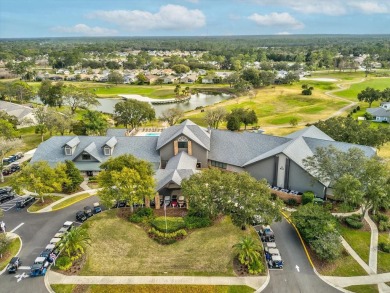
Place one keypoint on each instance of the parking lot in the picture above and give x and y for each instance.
(6, 206)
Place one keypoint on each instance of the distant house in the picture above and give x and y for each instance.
(151, 78)
(191, 78)
(170, 79)
(208, 80)
(24, 114)
(381, 113)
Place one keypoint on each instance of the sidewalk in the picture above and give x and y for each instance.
(360, 280)
(49, 208)
(253, 282)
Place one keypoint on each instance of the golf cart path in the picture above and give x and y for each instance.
(49, 208)
(253, 282)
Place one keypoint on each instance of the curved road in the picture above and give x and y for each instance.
(35, 233)
(290, 280)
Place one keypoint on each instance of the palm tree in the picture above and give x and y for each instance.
(248, 251)
(75, 240)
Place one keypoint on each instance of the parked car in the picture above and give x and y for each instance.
(96, 208)
(14, 264)
(55, 241)
(6, 196)
(88, 211)
(269, 252)
(181, 202)
(25, 202)
(80, 216)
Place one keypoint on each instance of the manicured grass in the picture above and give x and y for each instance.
(343, 75)
(345, 266)
(276, 106)
(7, 181)
(363, 288)
(12, 250)
(154, 289)
(383, 258)
(359, 241)
(206, 251)
(38, 204)
(355, 89)
(71, 201)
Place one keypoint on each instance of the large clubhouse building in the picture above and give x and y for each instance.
(182, 150)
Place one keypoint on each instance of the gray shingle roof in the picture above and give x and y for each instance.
(116, 132)
(187, 128)
(19, 111)
(165, 176)
(141, 147)
(91, 149)
(381, 112)
(73, 142)
(310, 131)
(112, 142)
(238, 148)
(182, 161)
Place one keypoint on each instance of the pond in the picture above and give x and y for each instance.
(197, 100)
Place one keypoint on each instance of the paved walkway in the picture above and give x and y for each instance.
(373, 260)
(84, 184)
(356, 257)
(359, 280)
(49, 208)
(253, 282)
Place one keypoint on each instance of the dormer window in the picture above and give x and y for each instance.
(107, 151)
(68, 151)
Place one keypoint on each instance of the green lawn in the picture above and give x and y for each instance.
(383, 258)
(38, 204)
(278, 105)
(359, 241)
(7, 181)
(363, 288)
(71, 201)
(151, 289)
(12, 250)
(206, 251)
(352, 92)
(345, 266)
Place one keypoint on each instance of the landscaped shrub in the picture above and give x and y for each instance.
(193, 222)
(141, 215)
(292, 202)
(171, 224)
(384, 226)
(384, 246)
(63, 263)
(166, 238)
(380, 217)
(307, 197)
(4, 243)
(354, 222)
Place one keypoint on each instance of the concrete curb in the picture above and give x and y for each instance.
(20, 248)
(265, 284)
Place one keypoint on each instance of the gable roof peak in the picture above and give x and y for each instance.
(188, 122)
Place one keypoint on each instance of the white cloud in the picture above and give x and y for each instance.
(283, 33)
(283, 19)
(329, 7)
(83, 29)
(193, 1)
(169, 17)
(369, 7)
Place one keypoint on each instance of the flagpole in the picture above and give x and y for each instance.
(165, 212)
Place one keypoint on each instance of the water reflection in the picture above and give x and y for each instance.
(107, 105)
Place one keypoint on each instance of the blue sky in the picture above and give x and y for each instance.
(54, 18)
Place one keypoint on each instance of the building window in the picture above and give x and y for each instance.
(218, 164)
(198, 165)
(68, 151)
(107, 151)
(182, 144)
(86, 157)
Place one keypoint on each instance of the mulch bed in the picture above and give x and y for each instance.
(240, 269)
(80, 288)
